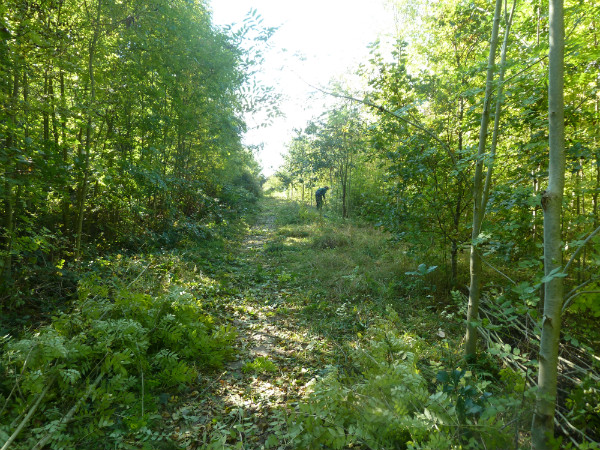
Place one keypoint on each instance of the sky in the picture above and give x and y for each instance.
(316, 41)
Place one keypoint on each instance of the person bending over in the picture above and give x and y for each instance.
(320, 196)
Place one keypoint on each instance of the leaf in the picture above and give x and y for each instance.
(422, 270)
(443, 377)
(556, 273)
(475, 409)
(271, 441)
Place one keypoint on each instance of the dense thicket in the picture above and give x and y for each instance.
(120, 144)
(119, 121)
(415, 172)
(416, 152)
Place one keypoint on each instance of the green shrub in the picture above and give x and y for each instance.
(250, 183)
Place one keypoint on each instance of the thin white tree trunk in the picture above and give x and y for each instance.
(499, 101)
(542, 428)
(475, 266)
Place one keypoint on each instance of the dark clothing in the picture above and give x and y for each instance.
(320, 196)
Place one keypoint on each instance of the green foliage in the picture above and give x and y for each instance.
(588, 301)
(296, 214)
(583, 405)
(119, 123)
(262, 364)
(137, 345)
(392, 405)
(470, 401)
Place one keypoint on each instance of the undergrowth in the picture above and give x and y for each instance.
(99, 375)
(371, 326)
(398, 396)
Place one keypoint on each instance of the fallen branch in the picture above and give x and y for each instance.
(69, 415)
(570, 370)
(26, 419)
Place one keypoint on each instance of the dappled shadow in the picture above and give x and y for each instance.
(276, 354)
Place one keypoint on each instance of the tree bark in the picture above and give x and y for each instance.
(542, 428)
(475, 259)
(88, 133)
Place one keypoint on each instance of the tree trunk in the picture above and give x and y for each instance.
(542, 428)
(88, 134)
(498, 112)
(475, 260)
(344, 208)
(454, 264)
(597, 186)
(596, 218)
(10, 172)
(65, 152)
(45, 112)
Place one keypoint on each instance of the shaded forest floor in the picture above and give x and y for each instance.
(300, 291)
(280, 328)
(218, 336)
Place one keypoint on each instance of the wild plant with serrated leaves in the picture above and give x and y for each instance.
(93, 377)
(391, 405)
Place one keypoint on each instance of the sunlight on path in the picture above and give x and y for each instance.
(260, 233)
(275, 358)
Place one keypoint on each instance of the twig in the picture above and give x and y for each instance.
(28, 416)
(69, 415)
(575, 295)
(138, 277)
(572, 427)
(497, 270)
(16, 386)
(522, 407)
(576, 288)
(592, 234)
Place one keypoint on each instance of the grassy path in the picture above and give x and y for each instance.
(277, 353)
(302, 289)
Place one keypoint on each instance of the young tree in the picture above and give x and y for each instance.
(542, 428)
(478, 197)
(340, 140)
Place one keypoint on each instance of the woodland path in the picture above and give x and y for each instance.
(276, 354)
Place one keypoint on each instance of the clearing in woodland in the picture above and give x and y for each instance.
(317, 301)
(288, 328)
